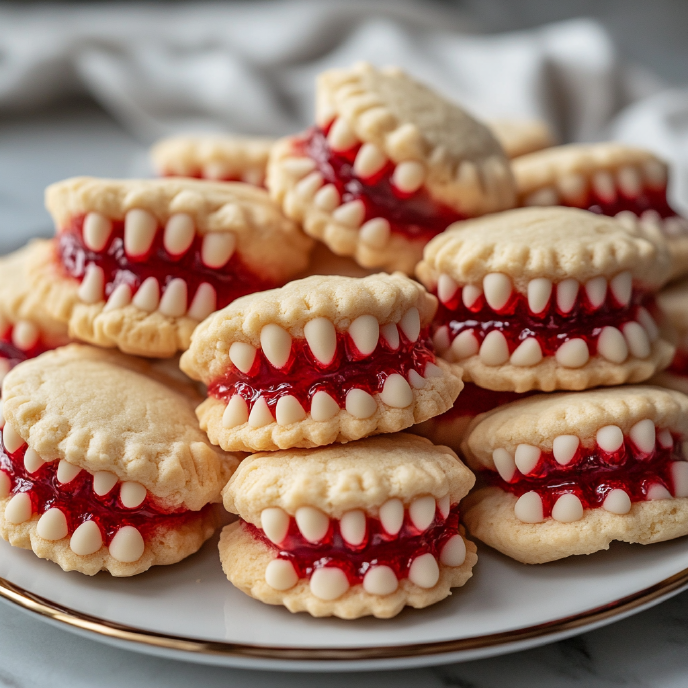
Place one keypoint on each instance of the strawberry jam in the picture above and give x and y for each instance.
(679, 364)
(416, 216)
(593, 473)
(648, 199)
(230, 282)
(13, 354)
(378, 548)
(79, 503)
(303, 375)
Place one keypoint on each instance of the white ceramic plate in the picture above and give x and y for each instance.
(189, 611)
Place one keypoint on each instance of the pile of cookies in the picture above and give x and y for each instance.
(319, 406)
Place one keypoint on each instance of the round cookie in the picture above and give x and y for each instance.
(548, 298)
(389, 165)
(217, 157)
(26, 329)
(365, 528)
(137, 264)
(566, 474)
(103, 465)
(323, 359)
(521, 136)
(608, 178)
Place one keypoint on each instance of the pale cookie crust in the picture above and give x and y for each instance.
(166, 546)
(450, 432)
(670, 381)
(218, 157)
(336, 479)
(521, 136)
(489, 516)
(101, 412)
(674, 303)
(537, 420)
(555, 242)
(339, 299)
(244, 560)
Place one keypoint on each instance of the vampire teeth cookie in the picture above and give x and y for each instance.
(389, 165)
(103, 465)
(521, 136)
(548, 298)
(26, 330)
(323, 359)
(349, 530)
(569, 473)
(218, 158)
(139, 263)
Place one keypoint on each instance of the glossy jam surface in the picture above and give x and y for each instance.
(14, 354)
(474, 400)
(230, 282)
(551, 327)
(303, 375)
(79, 503)
(378, 548)
(648, 199)
(416, 215)
(593, 473)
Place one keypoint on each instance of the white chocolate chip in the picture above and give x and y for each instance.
(276, 344)
(646, 320)
(416, 380)
(453, 552)
(494, 350)
(360, 404)
(11, 439)
(97, 230)
(572, 354)
(217, 248)
(32, 462)
(86, 539)
(235, 413)
(396, 392)
(327, 198)
(352, 526)
(204, 302)
(622, 288)
(174, 298)
(369, 160)
(375, 232)
(596, 291)
(422, 512)
(242, 355)
(611, 345)
(528, 508)
(637, 340)
(328, 583)
(147, 296)
(390, 334)
(92, 287)
(323, 406)
(567, 291)
(139, 232)
(380, 580)
(567, 509)
(341, 137)
(410, 324)
(288, 410)
(392, 516)
(610, 438)
(470, 293)
(617, 502)
(526, 458)
(280, 574)
(564, 448)
(497, 289)
(657, 491)
(120, 298)
(275, 523)
(504, 463)
(19, 508)
(679, 476)
(179, 234)
(52, 525)
(350, 214)
(313, 524)
(66, 472)
(643, 435)
(260, 415)
(527, 353)
(127, 546)
(539, 292)
(322, 339)
(408, 176)
(365, 332)
(132, 494)
(424, 571)
(103, 482)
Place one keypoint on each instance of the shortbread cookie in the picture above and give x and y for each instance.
(548, 298)
(607, 178)
(521, 136)
(349, 531)
(673, 302)
(139, 263)
(324, 359)
(569, 473)
(217, 157)
(103, 465)
(26, 329)
(389, 165)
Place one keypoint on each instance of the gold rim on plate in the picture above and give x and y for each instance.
(45, 608)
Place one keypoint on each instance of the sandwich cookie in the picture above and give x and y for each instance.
(389, 165)
(323, 359)
(103, 466)
(217, 158)
(569, 473)
(364, 528)
(521, 136)
(548, 298)
(138, 264)
(673, 302)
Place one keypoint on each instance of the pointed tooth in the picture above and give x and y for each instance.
(453, 551)
(281, 575)
(307, 187)
(408, 176)
(86, 539)
(443, 504)
(235, 413)
(603, 186)
(66, 472)
(504, 463)
(120, 298)
(567, 509)
(352, 526)
(92, 286)
(179, 234)
(440, 340)
(596, 291)
(323, 406)
(204, 302)
(396, 392)
(643, 435)
(139, 231)
(564, 448)
(416, 380)
(275, 342)
(494, 350)
(679, 478)
(322, 339)
(341, 137)
(174, 299)
(637, 340)
(392, 516)
(327, 198)
(350, 214)
(446, 288)
(539, 292)
(410, 324)
(11, 439)
(657, 491)
(572, 187)
(217, 248)
(19, 508)
(328, 583)
(260, 415)
(629, 181)
(97, 229)
(365, 333)
(527, 353)
(470, 294)
(497, 288)
(390, 334)
(618, 502)
(298, 167)
(242, 355)
(25, 335)
(465, 345)
(622, 287)
(422, 512)
(528, 508)
(424, 571)
(288, 410)
(275, 523)
(646, 320)
(612, 345)
(666, 441)
(375, 232)
(380, 580)
(52, 525)
(627, 219)
(609, 438)
(548, 195)
(132, 494)
(313, 524)
(32, 462)
(567, 292)
(127, 546)
(572, 354)
(360, 404)
(147, 297)
(527, 458)
(369, 160)
(655, 173)
(103, 482)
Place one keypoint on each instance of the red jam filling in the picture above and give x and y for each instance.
(648, 199)
(679, 365)
(79, 503)
(475, 400)
(14, 354)
(593, 473)
(415, 216)
(552, 327)
(230, 282)
(378, 548)
(303, 375)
